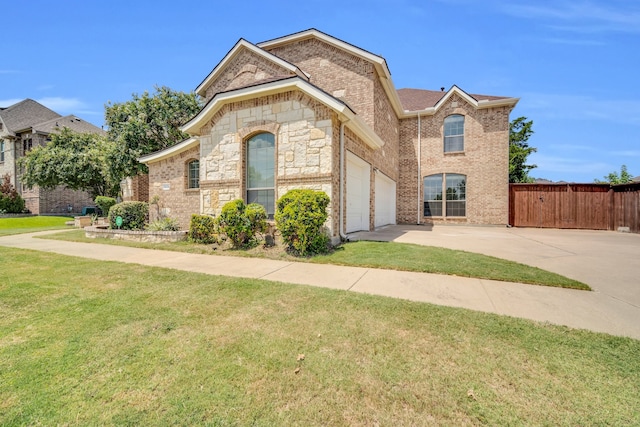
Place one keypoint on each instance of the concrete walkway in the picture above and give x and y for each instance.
(605, 310)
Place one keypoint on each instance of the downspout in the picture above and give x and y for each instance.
(419, 168)
(341, 203)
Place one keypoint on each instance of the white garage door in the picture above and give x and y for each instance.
(358, 172)
(385, 195)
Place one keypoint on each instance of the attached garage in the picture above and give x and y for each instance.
(385, 196)
(358, 188)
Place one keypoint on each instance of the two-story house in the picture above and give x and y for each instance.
(308, 110)
(28, 124)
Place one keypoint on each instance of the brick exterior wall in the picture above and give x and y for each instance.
(135, 188)
(485, 162)
(337, 72)
(168, 181)
(307, 141)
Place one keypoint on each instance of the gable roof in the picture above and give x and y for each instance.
(241, 45)
(26, 114)
(378, 61)
(346, 114)
(429, 101)
(72, 122)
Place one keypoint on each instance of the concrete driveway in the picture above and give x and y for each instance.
(607, 261)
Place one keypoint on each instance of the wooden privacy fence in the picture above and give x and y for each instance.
(585, 206)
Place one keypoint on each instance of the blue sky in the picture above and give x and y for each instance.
(574, 64)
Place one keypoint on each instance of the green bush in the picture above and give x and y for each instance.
(240, 222)
(164, 224)
(134, 215)
(203, 229)
(105, 203)
(10, 200)
(300, 217)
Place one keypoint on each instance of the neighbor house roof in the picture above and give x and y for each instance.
(72, 122)
(26, 114)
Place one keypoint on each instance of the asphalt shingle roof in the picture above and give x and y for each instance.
(420, 99)
(26, 114)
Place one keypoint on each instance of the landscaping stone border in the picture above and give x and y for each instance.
(102, 232)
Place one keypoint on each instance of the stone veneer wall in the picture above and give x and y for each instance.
(168, 182)
(485, 162)
(304, 134)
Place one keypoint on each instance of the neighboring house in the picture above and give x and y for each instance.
(308, 110)
(28, 124)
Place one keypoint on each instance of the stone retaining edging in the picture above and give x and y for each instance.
(135, 235)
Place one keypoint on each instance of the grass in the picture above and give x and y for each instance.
(92, 343)
(388, 255)
(32, 224)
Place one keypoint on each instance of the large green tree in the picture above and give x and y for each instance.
(145, 124)
(74, 160)
(520, 130)
(614, 178)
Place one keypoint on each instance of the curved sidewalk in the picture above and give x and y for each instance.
(578, 309)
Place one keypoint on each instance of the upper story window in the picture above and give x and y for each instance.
(261, 171)
(454, 133)
(27, 145)
(445, 195)
(1, 150)
(193, 171)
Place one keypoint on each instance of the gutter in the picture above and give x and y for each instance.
(419, 167)
(341, 202)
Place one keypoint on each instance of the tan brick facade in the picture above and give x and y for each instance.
(355, 112)
(168, 192)
(484, 161)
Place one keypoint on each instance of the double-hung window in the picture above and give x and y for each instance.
(454, 133)
(193, 170)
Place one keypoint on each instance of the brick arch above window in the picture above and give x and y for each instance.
(255, 128)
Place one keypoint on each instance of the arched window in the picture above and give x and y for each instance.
(261, 171)
(193, 174)
(454, 188)
(454, 133)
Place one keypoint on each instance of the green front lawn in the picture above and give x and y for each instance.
(84, 342)
(389, 255)
(31, 224)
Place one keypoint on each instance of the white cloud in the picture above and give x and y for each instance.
(4, 103)
(581, 16)
(60, 104)
(582, 107)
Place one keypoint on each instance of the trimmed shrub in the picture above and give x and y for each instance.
(134, 215)
(164, 224)
(203, 229)
(104, 203)
(240, 222)
(300, 217)
(10, 200)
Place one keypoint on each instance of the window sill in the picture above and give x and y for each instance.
(192, 190)
(454, 153)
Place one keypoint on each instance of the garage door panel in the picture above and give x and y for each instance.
(385, 196)
(358, 172)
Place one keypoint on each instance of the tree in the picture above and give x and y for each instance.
(74, 160)
(519, 132)
(145, 124)
(614, 178)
